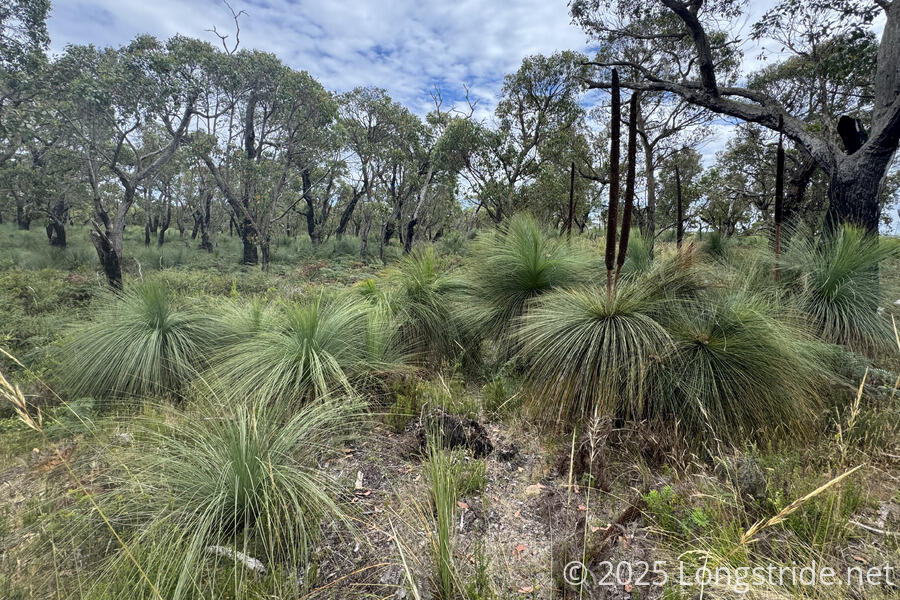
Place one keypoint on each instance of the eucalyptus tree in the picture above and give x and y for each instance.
(404, 164)
(369, 119)
(689, 172)
(261, 125)
(110, 99)
(539, 99)
(23, 40)
(692, 35)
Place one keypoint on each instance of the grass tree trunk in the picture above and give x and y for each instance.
(629, 183)
(613, 210)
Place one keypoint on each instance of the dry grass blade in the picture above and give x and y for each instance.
(20, 405)
(750, 535)
(14, 395)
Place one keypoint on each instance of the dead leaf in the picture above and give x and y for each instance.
(526, 590)
(582, 507)
(462, 504)
(519, 550)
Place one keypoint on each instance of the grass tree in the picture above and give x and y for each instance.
(420, 299)
(306, 351)
(736, 372)
(511, 266)
(142, 343)
(590, 351)
(835, 280)
(224, 503)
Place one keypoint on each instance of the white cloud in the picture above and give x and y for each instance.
(404, 46)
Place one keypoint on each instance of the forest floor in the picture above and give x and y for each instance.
(645, 513)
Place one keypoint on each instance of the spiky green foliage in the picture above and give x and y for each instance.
(419, 297)
(715, 243)
(209, 484)
(307, 350)
(591, 351)
(737, 372)
(240, 320)
(142, 343)
(673, 275)
(836, 282)
(640, 256)
(512, 265)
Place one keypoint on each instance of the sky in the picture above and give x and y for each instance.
(405, 46)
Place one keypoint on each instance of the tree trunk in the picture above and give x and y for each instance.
(164, 225)
(853, 195)
(410, 232)
(650, 218)
(612, 210)
(109, 258)
(629, 183)
(264, 254)
(679, 210)
(348, 213)
(56, 229)
(315, 236)
(205, 241)
(248, 239)
(23, 221)
(364, 234)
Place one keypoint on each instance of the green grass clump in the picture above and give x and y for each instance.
(736, 372)
(142, 343)
(246, 480)
(591, 351)
(836, 283)
(307, 350)
(513, 265)
(419, 297)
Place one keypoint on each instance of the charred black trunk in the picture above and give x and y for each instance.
(315, 236)
(164, 226)
(613, 209)
(248, 239)
(347, 214)
(56, 228)
(629, 184)
(110, 260)
(855, 181)
(23, 220)
(410, 233)
(204, 220)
